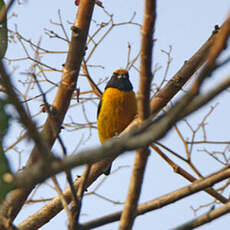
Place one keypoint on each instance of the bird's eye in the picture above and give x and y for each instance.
(119, 76)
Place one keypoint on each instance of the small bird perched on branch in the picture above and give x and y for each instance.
(117, 107)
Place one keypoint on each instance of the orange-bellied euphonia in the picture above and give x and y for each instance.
(117, 107)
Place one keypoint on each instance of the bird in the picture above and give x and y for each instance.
(117, 107)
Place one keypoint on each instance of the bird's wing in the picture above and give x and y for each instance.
(99, 108)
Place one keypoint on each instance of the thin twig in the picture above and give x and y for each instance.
(206, 218)
(62, 198)
(187, 175)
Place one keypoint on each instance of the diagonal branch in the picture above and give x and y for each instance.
(182, 76)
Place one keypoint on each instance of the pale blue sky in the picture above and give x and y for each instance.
(185, 25)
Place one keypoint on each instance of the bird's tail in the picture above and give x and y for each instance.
(107, 171)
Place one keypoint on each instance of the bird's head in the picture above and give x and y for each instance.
(121, 74)
(120, 80)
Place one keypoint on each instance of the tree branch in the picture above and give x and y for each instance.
(143, 99)
(206, 218)
(188, 176)
(182, 76)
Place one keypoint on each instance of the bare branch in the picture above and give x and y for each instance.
(163, 200)
(182, 76)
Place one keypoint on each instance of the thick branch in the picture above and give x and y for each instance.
(182, 76)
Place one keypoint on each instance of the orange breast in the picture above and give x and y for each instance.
(118, 108)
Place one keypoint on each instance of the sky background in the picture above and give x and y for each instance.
(184, 25)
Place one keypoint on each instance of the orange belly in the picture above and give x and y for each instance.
(118, 109)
